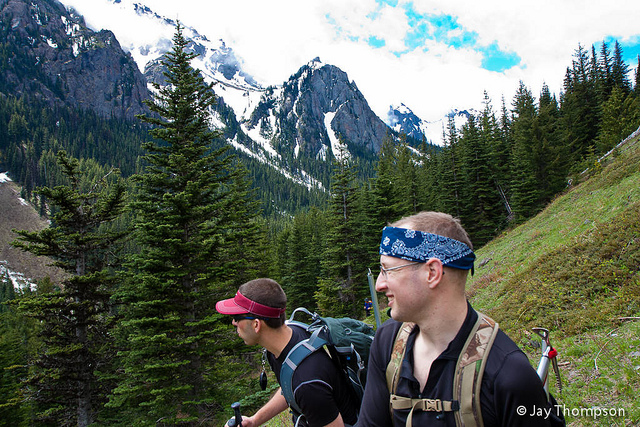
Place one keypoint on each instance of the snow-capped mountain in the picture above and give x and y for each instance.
(401, 119)
(298, 127)
(147, 35)
(289, 126)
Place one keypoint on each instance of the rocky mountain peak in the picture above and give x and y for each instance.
(55, 57)
(316, 107)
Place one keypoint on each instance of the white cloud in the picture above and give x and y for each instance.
(274, 38)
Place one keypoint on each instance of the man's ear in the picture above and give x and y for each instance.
(434, 272)
(257, 325)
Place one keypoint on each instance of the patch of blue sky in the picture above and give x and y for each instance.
(376, 42)
(630, 48)
(439, 28)
(495, 59)
(392, 3)
(446, 29)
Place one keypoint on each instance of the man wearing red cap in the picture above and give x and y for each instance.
(320, 389)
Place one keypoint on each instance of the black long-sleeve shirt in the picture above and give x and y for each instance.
(320, 389)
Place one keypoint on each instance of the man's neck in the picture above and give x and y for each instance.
(275, 340)
(441, 326)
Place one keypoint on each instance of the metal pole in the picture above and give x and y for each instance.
(374, 298)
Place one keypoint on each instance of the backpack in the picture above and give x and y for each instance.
(346, 340)
(467, 379)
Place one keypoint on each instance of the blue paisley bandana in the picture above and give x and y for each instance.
(419, 246)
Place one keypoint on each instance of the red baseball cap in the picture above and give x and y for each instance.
(240, 304)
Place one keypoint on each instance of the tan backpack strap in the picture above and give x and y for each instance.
(397, 354)
(437, 405)
(469, 370)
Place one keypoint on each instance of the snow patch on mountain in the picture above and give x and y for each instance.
(402, 119)
(338, 149)
(147, 36)
(18, 280)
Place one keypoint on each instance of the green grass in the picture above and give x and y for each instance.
(575, 269)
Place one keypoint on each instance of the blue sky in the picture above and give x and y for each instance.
(445, 29)
(432, 55)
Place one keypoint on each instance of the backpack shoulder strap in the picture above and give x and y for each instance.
(296, 355)
(467, 380)
(397, 354)
(469, 370)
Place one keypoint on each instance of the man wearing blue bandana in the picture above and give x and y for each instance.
(424, 263)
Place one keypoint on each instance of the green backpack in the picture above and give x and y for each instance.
(346, 340)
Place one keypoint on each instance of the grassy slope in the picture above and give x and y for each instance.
(575, 269)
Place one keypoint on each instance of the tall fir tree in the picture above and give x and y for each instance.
(481, 205)
(302, 258)
(601, 70)
(76, 322)
(189, 223)
(524, 186)
(385, 196)
(579, 108)
(551, 157)
(340, 252)
(448, 173)
(620, 70)
(636, 87)
(500, 156)
(18, 341)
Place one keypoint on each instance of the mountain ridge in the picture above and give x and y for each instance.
(54, 57)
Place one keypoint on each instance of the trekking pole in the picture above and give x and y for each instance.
(549, 357)
(236, 421)
(374, 298)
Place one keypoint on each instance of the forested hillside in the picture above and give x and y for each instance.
(148, 253)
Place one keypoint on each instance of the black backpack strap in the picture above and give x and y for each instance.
(297, 354)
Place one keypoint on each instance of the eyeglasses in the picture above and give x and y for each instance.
(239, 317)
(385, 271)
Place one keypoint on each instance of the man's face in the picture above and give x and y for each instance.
(402, 286)
(245, 328)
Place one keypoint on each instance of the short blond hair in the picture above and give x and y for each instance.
(436, 223)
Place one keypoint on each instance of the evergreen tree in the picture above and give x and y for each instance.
(340, 252)
(405, 180)
(620, 71)
(524, 186)
(636, 87)
(602, 71)
(187, 228)
(481, 205)
(500, 155)
(579, 108)
(620, 117)
(302, 258)
(551, 159)
(76, 321)
(385, 196)
(17, 343)
(449, 177)
(426, 187)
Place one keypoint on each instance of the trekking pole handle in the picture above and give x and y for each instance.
(236, 421)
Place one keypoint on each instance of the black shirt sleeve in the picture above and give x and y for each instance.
(374, 411)
(512, 391)
(313, 384)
